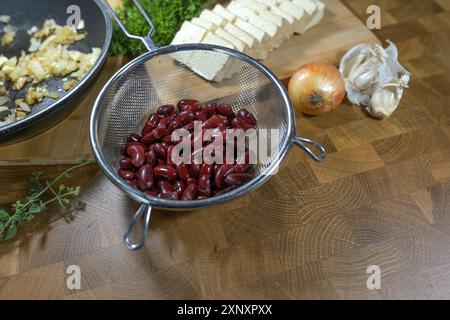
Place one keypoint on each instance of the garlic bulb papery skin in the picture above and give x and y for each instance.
(385, 100)
(370, 69)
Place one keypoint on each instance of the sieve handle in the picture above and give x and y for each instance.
(147, 41)
(146, 211)
(303, 143)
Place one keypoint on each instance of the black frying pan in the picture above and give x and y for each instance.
(27, 13)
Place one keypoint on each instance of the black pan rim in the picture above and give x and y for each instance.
(33, 119)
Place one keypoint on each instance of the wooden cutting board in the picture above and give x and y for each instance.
(68, 142)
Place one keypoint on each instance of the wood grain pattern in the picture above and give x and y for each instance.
(309, 233)
(327, 41)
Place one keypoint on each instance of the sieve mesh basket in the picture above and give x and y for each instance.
(169, 74)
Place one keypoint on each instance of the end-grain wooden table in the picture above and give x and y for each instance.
(383, 198)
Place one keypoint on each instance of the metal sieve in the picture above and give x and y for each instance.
(157, 77)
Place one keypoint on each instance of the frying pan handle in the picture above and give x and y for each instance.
(146, 211)
(147, 41)
(303, 142)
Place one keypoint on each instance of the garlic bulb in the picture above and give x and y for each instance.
(374, 78)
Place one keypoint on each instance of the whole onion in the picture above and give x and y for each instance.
(317, 88)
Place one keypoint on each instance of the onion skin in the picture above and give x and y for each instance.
(317, 88)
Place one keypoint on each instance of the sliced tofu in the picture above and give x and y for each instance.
(262, 39)
(237, 44)
(188, 33)
(255, 5)
(240, 10)
(213, 17)
(310, 9)
(251, 16)
(201, 62)
(208, 25)
(298, 13)
(284, 26)
(224, 13)
(254, 47)
(286, 16)
(318, 16)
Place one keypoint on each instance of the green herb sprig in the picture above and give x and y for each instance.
(25, 210)
(167, 16)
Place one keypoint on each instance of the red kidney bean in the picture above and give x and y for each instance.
(189, 105)
(169, 195)
(201, 116)
(152, 192)
(205, 170)
(194, 169)
(151, 158)
(173, 125)
(145, 177)
(247, 116)
(189, 127)
(165, 186)
(179, 187)
(210, 109)
(137, 154)
(152, 123)
(125, 163)
(240, 123)
(133, 183)
(224, 110)
(161, 150)
(204, 186)
(191, 180)
(168, 119)
(221, 173)
(134, 138)
(166, 109)
(241, 168)
(183, 171)
(126, 174)
(190, 193)
(212, 122)
(169, 156)
(236, 179)
(165, 172)
(186, 117)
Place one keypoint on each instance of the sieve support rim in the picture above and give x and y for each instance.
(147, 40)
(146, 211)
(304, 142)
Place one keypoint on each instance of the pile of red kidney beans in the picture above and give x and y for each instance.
(147, 163)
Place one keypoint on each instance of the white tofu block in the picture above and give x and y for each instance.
(318, 16)
(284, 27)
(241, 10)
(308, 5)
(269, 28)
(188, 33)
(224, 13)
(310, 9)
(238, 44)
(293, 23)
(269, 3)
(299, 14)
(262, 38)
(255, 5)
(212, 69)
(251, 15)
(208, 25)
(254, 47)
(218, 20)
